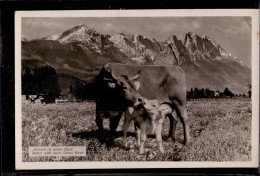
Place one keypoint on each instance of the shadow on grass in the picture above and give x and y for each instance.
(88, 135)
(94, 134)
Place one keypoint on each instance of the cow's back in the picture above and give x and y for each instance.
(161, 82)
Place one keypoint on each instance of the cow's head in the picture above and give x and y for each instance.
(124, 87)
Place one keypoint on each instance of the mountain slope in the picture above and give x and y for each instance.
(206, 64)
(80, 52)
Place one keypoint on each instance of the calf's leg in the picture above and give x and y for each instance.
(138, 136)
(158, 135)
(143, 137)
(158, 131)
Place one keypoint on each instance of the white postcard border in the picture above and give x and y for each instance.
(253, 13)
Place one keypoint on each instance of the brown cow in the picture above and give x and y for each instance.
(122, 85)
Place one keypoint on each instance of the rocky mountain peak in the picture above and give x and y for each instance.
(78, 33)
(211, 40)
(191, 35)
(173, 52)
(82, 28)
(205, 48)
(172, 38)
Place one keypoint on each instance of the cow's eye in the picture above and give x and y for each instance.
(140, 100)
(153, 105)
(125, 88)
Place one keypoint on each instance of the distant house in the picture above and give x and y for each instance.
(35, 98)
(217, 94)
(61, 101)
(38, 101)
(32, 98)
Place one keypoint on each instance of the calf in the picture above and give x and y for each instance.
(149, 114)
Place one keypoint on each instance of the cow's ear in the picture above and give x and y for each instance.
(106, 68)
(111, 85)
(137, 85)
(131, 110)
(135, 77)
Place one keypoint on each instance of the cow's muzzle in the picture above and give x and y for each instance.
(140, 100)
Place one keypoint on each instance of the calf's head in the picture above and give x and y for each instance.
(147, 110)
(154, 111)
(152, 108)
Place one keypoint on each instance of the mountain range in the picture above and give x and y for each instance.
(80, 52)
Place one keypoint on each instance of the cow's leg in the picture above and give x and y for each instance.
(143, 137)
(173, 123)
(182, 113)
(99, 122)
(158, 135)
(125, 128)
(114, 121)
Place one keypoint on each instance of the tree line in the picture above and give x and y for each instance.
(40, 81)
(195, 93)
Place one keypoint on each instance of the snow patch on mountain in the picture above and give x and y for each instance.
(52, 37)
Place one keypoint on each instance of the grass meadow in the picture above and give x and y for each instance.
(220, 130)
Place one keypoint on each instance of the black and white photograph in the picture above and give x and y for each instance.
(136, 89)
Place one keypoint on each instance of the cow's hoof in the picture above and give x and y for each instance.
(124, 143)
(169, 139)
(161, 150)
(141, 151)
(102, 140)
(186, 143)
(110, 144)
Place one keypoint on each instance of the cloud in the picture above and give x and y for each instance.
(196, 24)
(242, 29)
(40, 27)
(108, 27)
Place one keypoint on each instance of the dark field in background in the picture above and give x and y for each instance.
(220, 131)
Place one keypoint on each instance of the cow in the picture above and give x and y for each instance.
(148, 114)
(121, 86)
(114, 96)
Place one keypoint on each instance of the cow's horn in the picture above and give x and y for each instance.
(114, 76)
(108, 79)
(135, 76)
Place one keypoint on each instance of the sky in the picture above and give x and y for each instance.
(232, 33)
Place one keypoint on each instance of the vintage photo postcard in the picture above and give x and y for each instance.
(136, 89)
